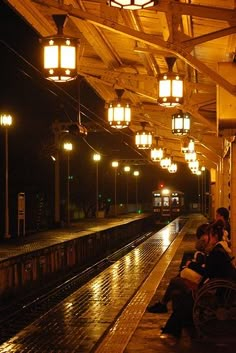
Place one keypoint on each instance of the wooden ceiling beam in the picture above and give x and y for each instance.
(208, 37)
(216, 13)
(35, 18)
(175, 48)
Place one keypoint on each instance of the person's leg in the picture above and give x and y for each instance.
(181, 316)
(176, 285)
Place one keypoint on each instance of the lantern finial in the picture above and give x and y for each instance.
(170, 60)
(59, 21)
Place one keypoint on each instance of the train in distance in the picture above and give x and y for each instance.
(167, 204)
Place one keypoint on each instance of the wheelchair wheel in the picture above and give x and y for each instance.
(214, 311)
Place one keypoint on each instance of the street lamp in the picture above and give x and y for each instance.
(6, 121)
(115, 165)
(96, 158)
(127, 170)
(68, 148)
(136, 175)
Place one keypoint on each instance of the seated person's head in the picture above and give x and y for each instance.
(216, 232)
(202, 231)
(202, 237)
(222, 213)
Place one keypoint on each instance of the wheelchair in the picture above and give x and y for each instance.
(214, 311)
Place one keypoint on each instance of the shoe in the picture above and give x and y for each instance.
(170, 332)
(169, 339)
(158, 308)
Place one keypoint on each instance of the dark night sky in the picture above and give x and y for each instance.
(35, 103)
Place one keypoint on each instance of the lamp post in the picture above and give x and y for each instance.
(115, 165)
(68, 148)
(6, 121)
(136, 175)
(127, 170)
(96, 158)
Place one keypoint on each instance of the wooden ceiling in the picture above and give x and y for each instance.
(127, 49)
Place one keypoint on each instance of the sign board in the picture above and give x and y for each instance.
(21, 213)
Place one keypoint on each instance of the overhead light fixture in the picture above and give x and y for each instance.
(119, 112)
(194, 166)
(132, 4)
(157, 154)
(165, 163)
(143, 138)
(60, 54)
(170, 86)
(180, 123)
(172, 168)
(190, 156)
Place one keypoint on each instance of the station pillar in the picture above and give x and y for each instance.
(233, 196)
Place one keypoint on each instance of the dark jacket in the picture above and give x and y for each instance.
(219, 264)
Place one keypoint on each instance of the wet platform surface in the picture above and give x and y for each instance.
(108, 314)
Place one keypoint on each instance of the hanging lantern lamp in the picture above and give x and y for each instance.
(60, 54)
(143, 138)
(119, 112)
(132, 4)
(157, 154)
(194, 166)
(172, 168)
(180, 123)
(170, 86)
(165, 163)
(190, 156)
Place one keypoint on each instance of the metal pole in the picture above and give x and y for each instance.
(115, 194)
(7, 235)
(96, 189)
(136, 194)
(57, 190)
(68, 188)
(127, 192)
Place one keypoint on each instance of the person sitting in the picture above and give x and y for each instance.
(219, 260)
(223, 214)
(218, 265)
(192, 271)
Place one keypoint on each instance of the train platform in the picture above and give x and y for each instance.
(35, 241)
(108, 314)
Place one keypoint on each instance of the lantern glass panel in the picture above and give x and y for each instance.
(51, 56)
(68, 54)
(177, 88)
(118, 113)
(164, 88)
